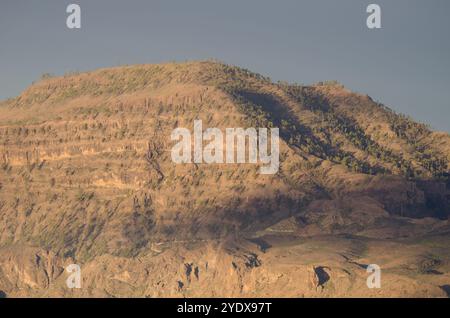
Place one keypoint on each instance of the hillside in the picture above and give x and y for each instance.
(86, 176)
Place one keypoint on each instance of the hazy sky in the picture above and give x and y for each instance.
(405, 65)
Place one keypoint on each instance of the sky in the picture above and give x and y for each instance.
(405, 64)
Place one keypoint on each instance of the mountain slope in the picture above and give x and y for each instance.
(86, 172)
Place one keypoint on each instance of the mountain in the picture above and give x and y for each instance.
(86, 177)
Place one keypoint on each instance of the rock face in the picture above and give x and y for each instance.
(86, 176)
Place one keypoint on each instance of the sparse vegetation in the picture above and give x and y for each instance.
(86, 172)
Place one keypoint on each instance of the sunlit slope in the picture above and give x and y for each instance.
(76, 177)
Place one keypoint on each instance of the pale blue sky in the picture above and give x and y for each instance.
(405, 65)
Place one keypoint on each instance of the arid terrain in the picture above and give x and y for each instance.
(86, 178)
